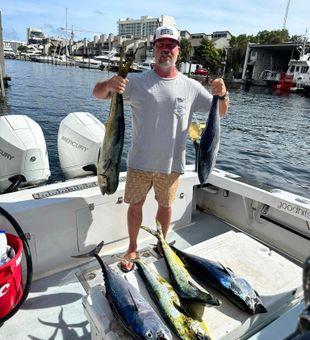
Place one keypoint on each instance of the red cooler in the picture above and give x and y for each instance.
(11, 286)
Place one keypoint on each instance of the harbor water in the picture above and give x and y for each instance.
(265, 138)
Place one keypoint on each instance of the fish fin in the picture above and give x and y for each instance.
(181, 309)
(133, 301)
(149, 230)
(260, 308)
(226, 270)
(96, 251)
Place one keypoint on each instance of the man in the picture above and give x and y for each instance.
(162, 101)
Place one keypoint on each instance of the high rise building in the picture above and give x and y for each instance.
(143, 27)
(34, 36)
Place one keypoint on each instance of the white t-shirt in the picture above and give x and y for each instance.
(162, 110)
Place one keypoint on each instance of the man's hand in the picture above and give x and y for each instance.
(218, 87)
(104, 89)
(118, 84)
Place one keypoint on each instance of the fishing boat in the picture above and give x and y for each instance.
(261, 233)
(297, 74)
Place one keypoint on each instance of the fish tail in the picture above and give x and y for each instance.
(151, 231)
(94, 253)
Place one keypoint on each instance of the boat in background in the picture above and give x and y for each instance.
(8, 52)
(298, 73)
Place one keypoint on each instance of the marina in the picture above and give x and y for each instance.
(252, 215)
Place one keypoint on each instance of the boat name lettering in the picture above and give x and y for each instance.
(295, 209)
(74, 144)
(6, 155)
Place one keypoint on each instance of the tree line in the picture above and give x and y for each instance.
(230, 59)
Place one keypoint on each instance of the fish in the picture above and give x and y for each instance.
(182, 282)
(128, 305)
(209, 143)
(110, 153)
(214, 274)
(302, 331)
(170, 306)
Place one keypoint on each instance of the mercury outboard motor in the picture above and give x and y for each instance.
(23, 153)
(80, 136)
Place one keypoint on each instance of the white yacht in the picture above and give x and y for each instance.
(261, 233)
(8, 52)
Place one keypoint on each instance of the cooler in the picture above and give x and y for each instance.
(11, 289)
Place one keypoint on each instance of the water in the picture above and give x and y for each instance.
(265, 138)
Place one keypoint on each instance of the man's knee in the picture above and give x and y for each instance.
(136, 207)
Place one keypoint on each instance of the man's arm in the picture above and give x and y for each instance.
(104, 89)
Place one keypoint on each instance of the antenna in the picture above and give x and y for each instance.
(286, 13)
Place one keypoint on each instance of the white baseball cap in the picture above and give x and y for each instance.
(166, 32)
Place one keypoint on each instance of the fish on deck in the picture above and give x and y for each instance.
(128, 305)
(181, 279)
(170, 306)
(213, 274)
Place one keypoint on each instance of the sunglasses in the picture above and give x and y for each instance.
(169, 46)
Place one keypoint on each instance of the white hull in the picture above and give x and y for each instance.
(70, 218)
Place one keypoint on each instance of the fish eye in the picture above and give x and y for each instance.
(148, 334)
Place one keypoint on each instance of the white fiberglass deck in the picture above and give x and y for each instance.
(54, 308)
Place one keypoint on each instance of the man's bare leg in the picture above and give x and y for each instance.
(134, 220)
(164, 217)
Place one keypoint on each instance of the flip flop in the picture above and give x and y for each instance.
(126, 266)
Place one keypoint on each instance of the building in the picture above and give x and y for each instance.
(272, 57)
(143, 27)
(14, 44)
(34, 36)
(220, 39)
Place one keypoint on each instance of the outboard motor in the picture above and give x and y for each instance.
(23, 153)
(80, 136)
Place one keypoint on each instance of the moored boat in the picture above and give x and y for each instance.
(297, 74)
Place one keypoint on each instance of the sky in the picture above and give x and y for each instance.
(198, 16)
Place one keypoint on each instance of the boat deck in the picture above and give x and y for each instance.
(55, 306)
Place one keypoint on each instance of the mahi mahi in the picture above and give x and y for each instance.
(109, 157)
(169, 305)
(214, 274)
(209, 143)
(129, 306)
(181, 279)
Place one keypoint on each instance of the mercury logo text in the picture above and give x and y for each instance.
(6, 155)
(74, 144)
(295, 209)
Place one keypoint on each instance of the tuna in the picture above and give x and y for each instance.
(213, 274)
(128, 305)
(209, 143)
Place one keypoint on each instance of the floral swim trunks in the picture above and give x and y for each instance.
(139, 183)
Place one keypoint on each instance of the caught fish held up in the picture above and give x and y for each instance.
(129, 307)
(169, 304)
(209, 143)
(213, 274)
(109, 157)
(182, 281)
